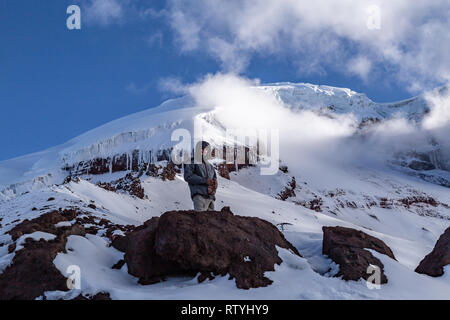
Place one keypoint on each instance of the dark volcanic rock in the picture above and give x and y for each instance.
(223, 171)
(341, 236)
(433, 264)
(44, 223)
(217, 243)
(284, 169)
(129, 184)
(368, 122)
(118, 265)
(141, 258)
(120, 163)
(120, 243)
(32, 271)
(12, 248)
(169, 172)
(313, 204)
(117, 163)
(347, 247)
(99, 166)
(99, 296)
(141, 160)
(288, 191)
(164, 172)
(353, 263)
(418, 200)
(421, 165)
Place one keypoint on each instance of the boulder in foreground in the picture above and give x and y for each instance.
(433, 264)
(32, 271)
(211, 243)
(347, 248)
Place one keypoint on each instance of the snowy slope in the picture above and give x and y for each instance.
(297, 278)
(152, 126)
(366, 196)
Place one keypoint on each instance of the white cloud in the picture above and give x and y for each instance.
(321, 35)
(187, 30)
(308, 142)
(172, 85)
(315, 144)
(438, 120)
(305, 137)
(104, 12)
(360, 66)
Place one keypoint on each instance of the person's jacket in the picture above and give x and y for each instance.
(196, 175)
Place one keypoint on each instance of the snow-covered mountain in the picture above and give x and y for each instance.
(363, 174)
(331, 100)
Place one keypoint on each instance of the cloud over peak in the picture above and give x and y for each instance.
(352, 37)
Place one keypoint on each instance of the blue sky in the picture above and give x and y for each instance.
(56, 84)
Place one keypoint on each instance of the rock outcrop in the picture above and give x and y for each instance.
(120, 162)
(146, 161)
(223, 171)
(128, 184)
(288, 191)
(433, 264)
(210, 243)
(44, 223)
(347, 247)
(32, 271)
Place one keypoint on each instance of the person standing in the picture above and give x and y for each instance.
(202, 179)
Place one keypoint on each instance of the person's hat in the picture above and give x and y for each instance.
(205, 145)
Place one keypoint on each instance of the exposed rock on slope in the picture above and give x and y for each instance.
(212, 243)
(44, 223)
(223, 171)
(129, 184)
(32, 271)
(433, 264)
(121, 162)
(346, 247)
(288, 191)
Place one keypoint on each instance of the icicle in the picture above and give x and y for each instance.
(235, 159)
(131, 161)
(182, 160)
(257, 151)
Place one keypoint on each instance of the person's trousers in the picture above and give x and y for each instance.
(202, 203)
